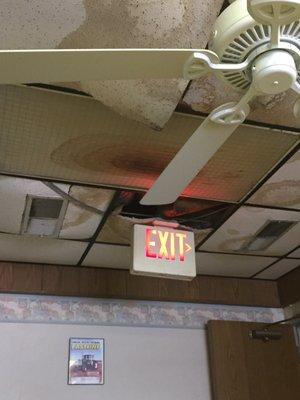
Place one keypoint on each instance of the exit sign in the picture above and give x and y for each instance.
(163, 251)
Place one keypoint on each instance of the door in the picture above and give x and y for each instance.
(249, 369)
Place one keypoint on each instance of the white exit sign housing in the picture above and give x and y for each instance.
(163, 251)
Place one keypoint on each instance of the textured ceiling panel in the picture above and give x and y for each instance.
(40, 250)
(76, 138)
(207, 93)
(230, 265)
(239, 229)
(283, 188)
(107, 256)
(80, 223)
(13, 192)
(278, 269)
(112, 24)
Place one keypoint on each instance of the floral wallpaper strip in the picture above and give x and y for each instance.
(67, 310)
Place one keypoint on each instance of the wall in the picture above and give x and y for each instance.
(151, 350)
(141, 363)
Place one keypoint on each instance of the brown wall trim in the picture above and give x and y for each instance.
(120, 284)
(289, 287)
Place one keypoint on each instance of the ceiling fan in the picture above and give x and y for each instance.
(255, 48)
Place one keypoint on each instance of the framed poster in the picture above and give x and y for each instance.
(86, 361)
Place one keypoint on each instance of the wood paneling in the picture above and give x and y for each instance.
(246, 369)
(289, 288)
(109, 283)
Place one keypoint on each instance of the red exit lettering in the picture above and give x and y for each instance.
(164, 244)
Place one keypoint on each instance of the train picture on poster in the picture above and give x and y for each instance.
(86, 361)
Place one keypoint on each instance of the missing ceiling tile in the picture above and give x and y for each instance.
(200, 216)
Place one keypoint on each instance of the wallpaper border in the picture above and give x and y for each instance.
(70, 310)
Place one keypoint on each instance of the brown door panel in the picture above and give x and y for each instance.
(250, 369)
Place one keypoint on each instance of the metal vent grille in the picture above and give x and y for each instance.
(269, 233)
(238, 50)
(43, 216)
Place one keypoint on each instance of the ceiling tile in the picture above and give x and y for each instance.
(76, 138)
(278, 269)
(283, 188)
(244, 224)
(230, 265)
(108, 256)
(295, 254)
(40, 250)
(13, 192)
(80, 223)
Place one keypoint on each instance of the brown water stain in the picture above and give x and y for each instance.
(84, 152)
(98, 198)
(283, 193)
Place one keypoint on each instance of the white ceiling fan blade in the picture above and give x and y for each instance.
(69, 65)
(192, 157)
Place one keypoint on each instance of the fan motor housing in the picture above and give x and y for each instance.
(237, 37)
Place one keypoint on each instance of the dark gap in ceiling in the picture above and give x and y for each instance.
(56, 88)
(195, 214)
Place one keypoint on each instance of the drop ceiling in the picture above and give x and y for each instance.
(92, 240)
(100, 146)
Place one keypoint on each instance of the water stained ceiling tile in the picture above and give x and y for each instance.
(80, 223)
(114, 24)
(241, 228)
(283, 188)
(230, 265)
(280, 268)
(21, 248)
(73, 138)
(207, 93)
(13, 193)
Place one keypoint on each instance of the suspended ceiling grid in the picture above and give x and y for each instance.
(134, 24)
(75, 138)
(83, 244)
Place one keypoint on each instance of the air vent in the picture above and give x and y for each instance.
(267, 235)
(43, 216)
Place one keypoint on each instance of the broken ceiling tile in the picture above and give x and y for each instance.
(207, 93)
(80, 223)
(115, 24)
